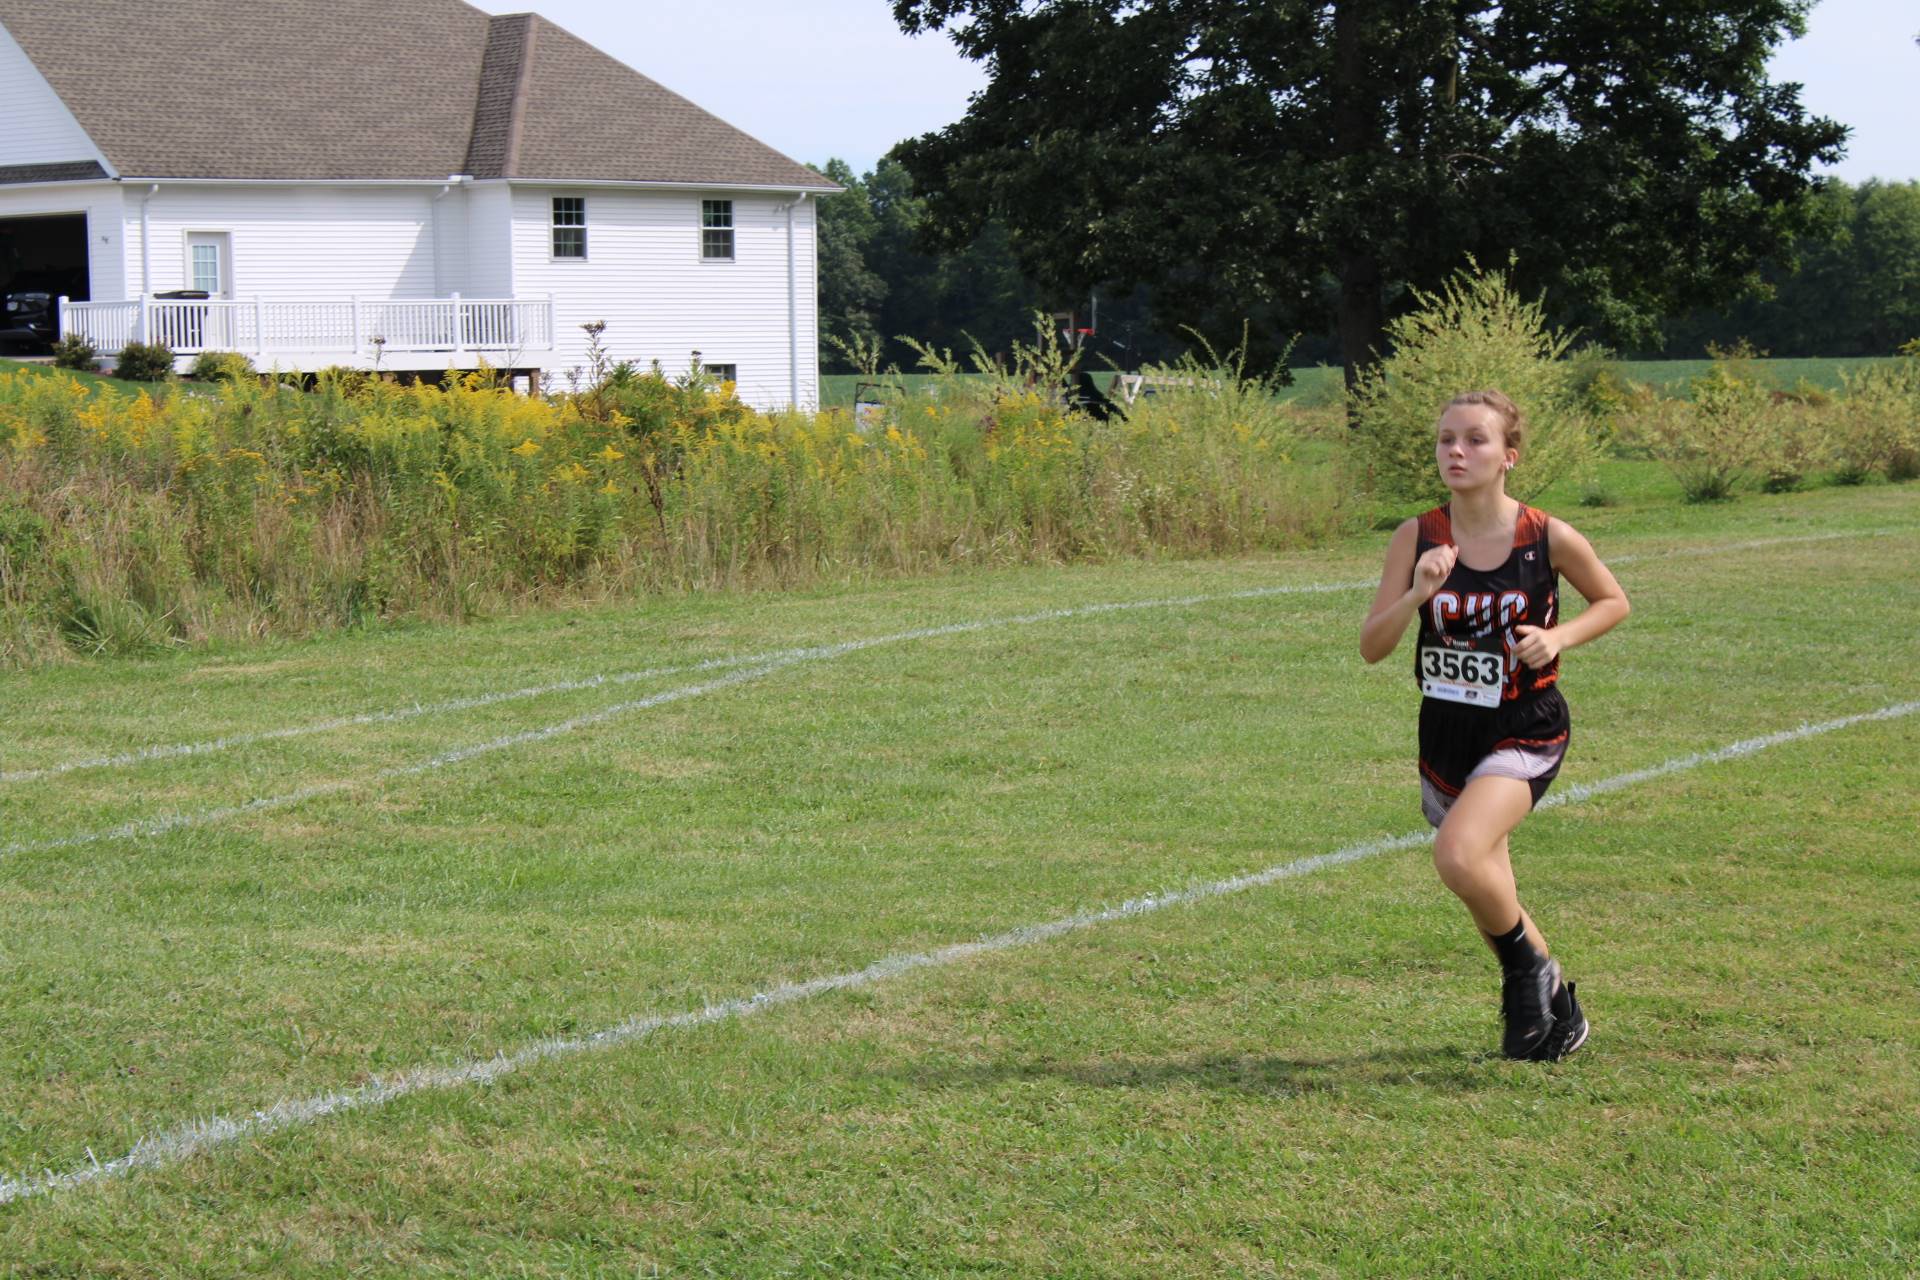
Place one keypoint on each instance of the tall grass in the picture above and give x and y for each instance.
(130, 523)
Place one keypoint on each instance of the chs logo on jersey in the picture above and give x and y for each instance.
(1477, 612)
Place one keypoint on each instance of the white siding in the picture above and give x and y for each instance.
(490, 240)
(645, 278)
(101, 203)
(447, 229)
(300, 241)
(38, 127)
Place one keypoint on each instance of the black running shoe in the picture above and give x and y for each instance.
(1569, 1026)
(1526, 1003)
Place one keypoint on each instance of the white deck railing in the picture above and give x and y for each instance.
(354, 328)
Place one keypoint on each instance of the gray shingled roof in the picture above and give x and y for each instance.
(337, 89)
(78, 171)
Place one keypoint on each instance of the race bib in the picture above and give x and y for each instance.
(1473, 672)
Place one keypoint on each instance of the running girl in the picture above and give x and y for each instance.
(1482, 573)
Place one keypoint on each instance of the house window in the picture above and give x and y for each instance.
(723, 372)
(716, 229)
(569, 227)
(206, 268)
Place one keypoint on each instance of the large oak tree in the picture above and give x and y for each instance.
(1293, 163)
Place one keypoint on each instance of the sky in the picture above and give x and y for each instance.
(817, 79)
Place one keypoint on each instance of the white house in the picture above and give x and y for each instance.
(412, 183)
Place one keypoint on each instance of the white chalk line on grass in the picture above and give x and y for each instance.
(777, 657)
(177, 750)
(178, 821)
(173, 1146)
(769, 664)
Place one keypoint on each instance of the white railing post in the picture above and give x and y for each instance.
(459, 345)
(552, 324)
(353, 304)
(61, 330)
(259, 326)
(146, 316)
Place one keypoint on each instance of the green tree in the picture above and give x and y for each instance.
(1809, 305)
(914, 307)
(1886, 239)
(877, 280)
(851, 292)
(1804, 302)
(1849, 285)
(1288, 161)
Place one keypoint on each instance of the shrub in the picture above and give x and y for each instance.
(143, 362)
(1797, 444)
(1721, 438)
(1664, 429)
(222, 366)
(344, 380)
(1593, 376)
(1806, 392)
(1475, 334)
(74, 352)
(1876, 429)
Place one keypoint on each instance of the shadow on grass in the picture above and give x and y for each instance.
(1448, 1069)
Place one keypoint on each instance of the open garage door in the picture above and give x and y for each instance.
(41, 259)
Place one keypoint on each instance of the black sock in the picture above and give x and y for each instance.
(1513, 948)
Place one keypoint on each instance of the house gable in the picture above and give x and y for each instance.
(42, 142)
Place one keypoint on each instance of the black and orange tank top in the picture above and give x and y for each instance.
(1465, 651)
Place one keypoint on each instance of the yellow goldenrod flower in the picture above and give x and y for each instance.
(609, 454)
(526, 448)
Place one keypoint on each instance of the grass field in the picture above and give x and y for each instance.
(1291, 1079)
(91, 379)
(1322, 384)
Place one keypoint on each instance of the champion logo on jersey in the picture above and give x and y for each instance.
(1527, 556)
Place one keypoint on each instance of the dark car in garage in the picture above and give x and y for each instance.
(30, 310)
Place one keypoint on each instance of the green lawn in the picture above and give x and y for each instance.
(91, 379)
(1292, 1080)
(1322, 384)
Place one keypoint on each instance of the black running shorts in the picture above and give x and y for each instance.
(1525, 739)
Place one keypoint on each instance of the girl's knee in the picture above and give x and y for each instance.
(1454, 855)
(1462, 855)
